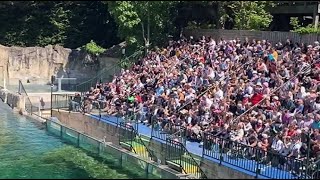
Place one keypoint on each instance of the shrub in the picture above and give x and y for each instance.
(93, 48)
(310, 29)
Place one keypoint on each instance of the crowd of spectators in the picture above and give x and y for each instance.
(250, 92)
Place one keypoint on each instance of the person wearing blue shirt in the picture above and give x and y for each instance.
(160, 90)
(316, 122)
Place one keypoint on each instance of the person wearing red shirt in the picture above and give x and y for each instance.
(256, 98)
(138, 98)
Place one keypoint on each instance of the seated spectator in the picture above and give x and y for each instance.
(248, 92)
(75, 103)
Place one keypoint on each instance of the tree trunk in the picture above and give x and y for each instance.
(148, 30)
(218, 25)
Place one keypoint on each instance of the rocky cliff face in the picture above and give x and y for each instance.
(38, 64)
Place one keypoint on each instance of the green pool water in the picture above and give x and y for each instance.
(27, 150)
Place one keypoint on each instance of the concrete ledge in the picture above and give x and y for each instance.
(14, 100)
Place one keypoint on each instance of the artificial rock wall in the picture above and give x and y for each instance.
(38, 64)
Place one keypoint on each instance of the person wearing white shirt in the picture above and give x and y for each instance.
(219, 94)
(247, 126)
(284, 152)
(277, 144)
(209, 102)
(276, 147)
(249, 90)
(294, 153)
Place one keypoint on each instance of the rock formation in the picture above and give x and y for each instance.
(38, 64)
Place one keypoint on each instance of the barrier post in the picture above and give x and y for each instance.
(257, 161)
(78, 140)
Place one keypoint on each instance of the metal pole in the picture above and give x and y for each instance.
(51, 99)
(308, 152)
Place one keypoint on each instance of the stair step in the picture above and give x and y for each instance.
(188, 168)
(125, 145)
(188, 157)
(174, 166)
(144, 138)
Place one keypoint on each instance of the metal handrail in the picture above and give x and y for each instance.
(236, 149)
(132, 138)
(141, 141)
(28, 103)
(186, 152)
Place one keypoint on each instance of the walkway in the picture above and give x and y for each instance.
(239, 164)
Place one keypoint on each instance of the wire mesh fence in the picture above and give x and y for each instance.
(111, 154)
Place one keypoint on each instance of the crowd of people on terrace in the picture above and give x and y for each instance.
(250, 92)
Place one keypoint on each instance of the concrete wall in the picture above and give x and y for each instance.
(88, 125)
(99, 130)
(216, 171)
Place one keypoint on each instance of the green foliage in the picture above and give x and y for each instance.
(136, 18)
(250, 15)
(294, 22)
(70, 24)
(310, 29)
(140, 23)
(93, 48)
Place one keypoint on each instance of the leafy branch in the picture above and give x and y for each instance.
(93, 48)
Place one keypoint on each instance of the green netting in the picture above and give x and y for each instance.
(89, 144)
(160, 173)
(70, 135)
(133, 163)
(111, 154)
(54, 128)
(138, 167)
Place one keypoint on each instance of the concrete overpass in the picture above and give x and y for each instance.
(298, 8)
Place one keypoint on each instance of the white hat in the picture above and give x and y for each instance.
(259, 84)
(298, 131)
(265, 136)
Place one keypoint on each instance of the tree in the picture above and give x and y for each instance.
(294, 22)
(70, 24)
(251, 15)
(142, 22)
